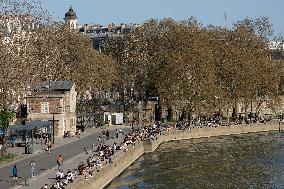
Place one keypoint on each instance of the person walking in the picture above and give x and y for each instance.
(107, 134)
(59, 161)
(48, 146)
(15, 173)
(116, 133)
(32, 164)
(79, 133)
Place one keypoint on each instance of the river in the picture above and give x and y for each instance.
(235, 161)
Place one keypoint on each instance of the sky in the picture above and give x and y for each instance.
(137, 11)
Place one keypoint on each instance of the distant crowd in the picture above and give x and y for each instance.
(102, 154)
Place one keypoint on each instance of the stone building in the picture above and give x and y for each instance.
(54, 100)
(71, 19)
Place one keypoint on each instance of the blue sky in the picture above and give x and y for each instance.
(137, 11)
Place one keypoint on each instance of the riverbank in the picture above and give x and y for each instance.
(120, 163)
(46, 163)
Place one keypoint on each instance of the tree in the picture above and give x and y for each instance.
(5, 120)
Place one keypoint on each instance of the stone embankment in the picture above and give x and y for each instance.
(120, 163)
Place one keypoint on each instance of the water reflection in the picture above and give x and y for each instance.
(236, 161)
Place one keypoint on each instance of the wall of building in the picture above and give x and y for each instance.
(120, 163)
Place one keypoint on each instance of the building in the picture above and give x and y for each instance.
(14, 28)
(54, 101)
(71, 19)
(98, 33)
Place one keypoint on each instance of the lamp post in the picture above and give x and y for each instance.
(53, 128)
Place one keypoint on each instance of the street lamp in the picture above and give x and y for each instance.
(53, 128)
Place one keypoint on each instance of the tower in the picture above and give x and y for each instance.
(71, 18)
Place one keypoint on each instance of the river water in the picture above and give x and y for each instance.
(235, 161)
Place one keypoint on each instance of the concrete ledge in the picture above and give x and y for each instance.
(111, 171)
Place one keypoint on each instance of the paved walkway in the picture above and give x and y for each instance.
(68, 149)
(48, 177)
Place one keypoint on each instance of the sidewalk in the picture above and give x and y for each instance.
(59, 141)
(48, 177)
(69, 148)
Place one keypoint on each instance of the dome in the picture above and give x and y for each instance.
(70, 15)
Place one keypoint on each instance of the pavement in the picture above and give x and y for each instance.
(68, 148)
(48, 177)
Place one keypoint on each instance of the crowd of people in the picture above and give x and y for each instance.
(103, 153)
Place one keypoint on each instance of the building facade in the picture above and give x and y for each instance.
(54, 101)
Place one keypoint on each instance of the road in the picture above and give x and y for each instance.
(46, 161)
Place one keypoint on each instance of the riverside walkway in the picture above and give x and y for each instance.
(71, 154)
(120, 163)
(45, 161)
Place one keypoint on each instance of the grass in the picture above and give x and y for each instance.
(7, 158)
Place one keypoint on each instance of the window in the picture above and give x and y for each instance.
(44, 107)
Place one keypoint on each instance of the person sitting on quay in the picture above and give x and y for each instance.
(59, 175)
(81, 168)
(70, 176)
(45, 186)
(90, 162)
(99, 165)
(58, 185)
(90, 171)
(59, 161)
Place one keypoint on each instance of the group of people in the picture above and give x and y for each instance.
(62, 179)
(104, 154)
(15, 171)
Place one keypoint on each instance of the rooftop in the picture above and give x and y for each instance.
(71, 14)
(54, 86)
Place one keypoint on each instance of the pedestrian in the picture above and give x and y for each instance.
(15, 173)
(79, 133)
(48, 146)
(59, 161)
(93, 146)
(114, 146)
(107, 134)
(99, 139)
(116, 133)
(32, 164)
(46, 139)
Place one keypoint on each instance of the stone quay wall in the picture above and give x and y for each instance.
(121, 162)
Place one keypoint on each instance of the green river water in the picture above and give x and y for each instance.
(235, 161)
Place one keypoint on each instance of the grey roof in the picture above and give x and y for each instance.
(71, 14)
(31, 125)
(54, 86)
